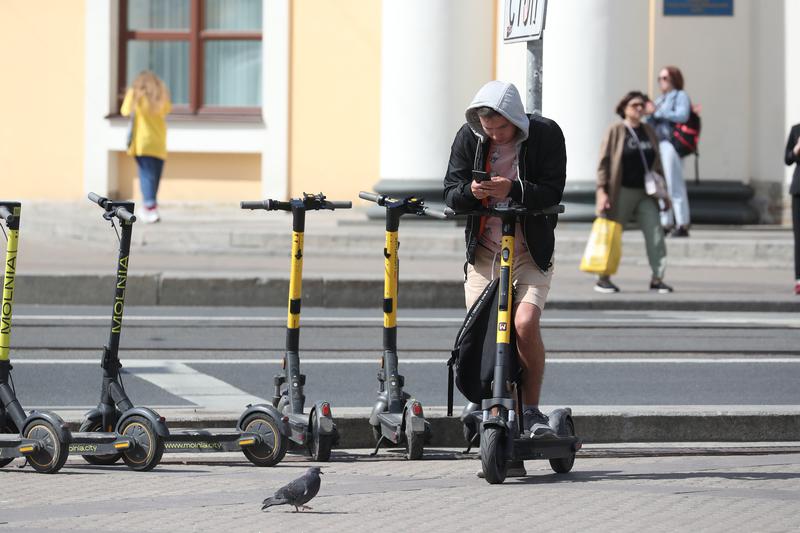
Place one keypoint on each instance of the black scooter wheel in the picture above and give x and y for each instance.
(320, 445)
(273, 443)
(148, 448)
(415, 445)
(563, 465)
(53, 452)
(4, 462)
(493, 455)
(110, 459)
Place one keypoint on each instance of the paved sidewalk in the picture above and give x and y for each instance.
(205, 254)
(609, 490)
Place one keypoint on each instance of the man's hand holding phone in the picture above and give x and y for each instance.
(485, 186)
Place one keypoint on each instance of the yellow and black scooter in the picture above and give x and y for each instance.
(316, 430)
(396, 417)
(41, 437)
(502, 437)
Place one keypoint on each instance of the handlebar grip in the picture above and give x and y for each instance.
(370, 196)
(255, 204)
(553, 210)
(338, 205)
(5, 214)
(438, 213)
(96, 198)
(125, 215)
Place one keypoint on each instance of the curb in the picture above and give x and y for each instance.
(355, 431)
(167, 290)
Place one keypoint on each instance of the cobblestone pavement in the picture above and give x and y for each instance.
(442, 493)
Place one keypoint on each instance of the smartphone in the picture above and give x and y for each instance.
(479, 176)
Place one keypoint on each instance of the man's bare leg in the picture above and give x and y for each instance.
(531, 351)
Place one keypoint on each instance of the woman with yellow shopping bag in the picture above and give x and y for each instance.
(629, 183)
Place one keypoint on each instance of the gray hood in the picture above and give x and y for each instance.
(504, 98)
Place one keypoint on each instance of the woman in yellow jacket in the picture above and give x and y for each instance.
(147, 103)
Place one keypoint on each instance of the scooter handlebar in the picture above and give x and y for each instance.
(124, 214)
(370, 196)
(255, 204)
(553, 210)
(96, 198)
(338, 205)
(442, 214)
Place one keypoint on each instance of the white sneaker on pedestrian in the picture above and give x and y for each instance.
(149, 215)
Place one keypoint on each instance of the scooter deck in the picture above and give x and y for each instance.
(98, 443)
(550, 448)
(208, 440)
(10, 444)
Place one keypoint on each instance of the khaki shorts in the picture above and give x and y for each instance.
(530, 284)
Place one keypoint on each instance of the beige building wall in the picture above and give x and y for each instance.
(41, 99)
(197, 177)
(334, 120)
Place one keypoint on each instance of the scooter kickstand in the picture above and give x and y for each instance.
(377, 446)
(469, 445)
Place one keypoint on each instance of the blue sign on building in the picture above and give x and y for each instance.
(703, 8)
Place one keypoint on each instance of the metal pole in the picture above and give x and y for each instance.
(533, 100)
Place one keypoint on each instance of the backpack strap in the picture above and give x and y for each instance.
(450, 379)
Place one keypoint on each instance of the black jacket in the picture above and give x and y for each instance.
(789, 158)
(543, 168)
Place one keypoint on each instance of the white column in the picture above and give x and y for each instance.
(100, 166)
(792, 91)
(593, 54)
(275, 99)
(435, 55)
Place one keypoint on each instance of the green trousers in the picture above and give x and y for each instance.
(645, 208)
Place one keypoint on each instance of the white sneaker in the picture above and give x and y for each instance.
(149, 215)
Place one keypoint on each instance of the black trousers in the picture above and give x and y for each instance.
(796, 226)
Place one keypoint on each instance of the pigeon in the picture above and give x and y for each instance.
(298, 492)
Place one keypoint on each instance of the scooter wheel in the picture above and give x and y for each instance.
(4, 462)
(415, 445)
(320, 445)
(493, 455)
(562, 465)
(148, 448)
(109, 459)
(274, 444)
(53, 454)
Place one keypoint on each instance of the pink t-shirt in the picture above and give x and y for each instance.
(502, 162)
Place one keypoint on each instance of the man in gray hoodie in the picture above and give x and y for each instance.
(525, 158)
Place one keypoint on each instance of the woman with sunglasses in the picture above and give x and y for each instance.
(673, 106)
(629, 150)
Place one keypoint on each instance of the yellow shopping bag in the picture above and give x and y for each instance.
(604, 248)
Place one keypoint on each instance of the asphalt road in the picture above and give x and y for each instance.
(221, 358)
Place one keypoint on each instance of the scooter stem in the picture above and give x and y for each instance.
(394, 391)
(292, 358)
(10, 277)
(504, 309)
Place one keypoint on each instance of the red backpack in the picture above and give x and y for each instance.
(686, 135)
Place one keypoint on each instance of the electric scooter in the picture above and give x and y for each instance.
(502, 437)
(41, 437)
(396, 417)
(116, 413)
(259, 433)
(316, 430)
